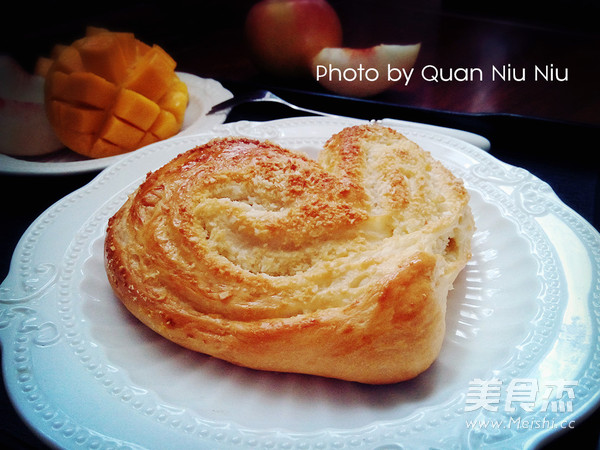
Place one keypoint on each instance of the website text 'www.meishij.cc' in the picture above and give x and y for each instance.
(546, 400)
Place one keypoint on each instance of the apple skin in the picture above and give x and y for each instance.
(284, 35)
(377, 57)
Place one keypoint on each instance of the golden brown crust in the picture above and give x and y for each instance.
(268, 259)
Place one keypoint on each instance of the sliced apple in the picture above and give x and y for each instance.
(364, 72)
(24, 128)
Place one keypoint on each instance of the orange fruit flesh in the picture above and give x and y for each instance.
(109, 93)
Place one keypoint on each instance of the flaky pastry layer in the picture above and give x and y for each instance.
(263, 257)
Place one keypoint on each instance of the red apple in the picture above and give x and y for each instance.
(284, 35)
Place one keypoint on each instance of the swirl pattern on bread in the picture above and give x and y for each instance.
(268, 259)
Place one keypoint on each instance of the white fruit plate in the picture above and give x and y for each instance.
(203, 93)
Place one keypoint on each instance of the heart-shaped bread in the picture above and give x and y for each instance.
(263, 257)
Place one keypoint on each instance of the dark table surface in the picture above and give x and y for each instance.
(546, 127)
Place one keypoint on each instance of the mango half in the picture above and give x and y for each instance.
(108, 93)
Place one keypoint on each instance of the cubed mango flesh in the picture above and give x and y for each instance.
(109, 93)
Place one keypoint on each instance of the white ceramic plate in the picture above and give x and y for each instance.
(204, 93)
(523, 315)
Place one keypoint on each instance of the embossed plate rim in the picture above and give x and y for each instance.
(28, 341)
